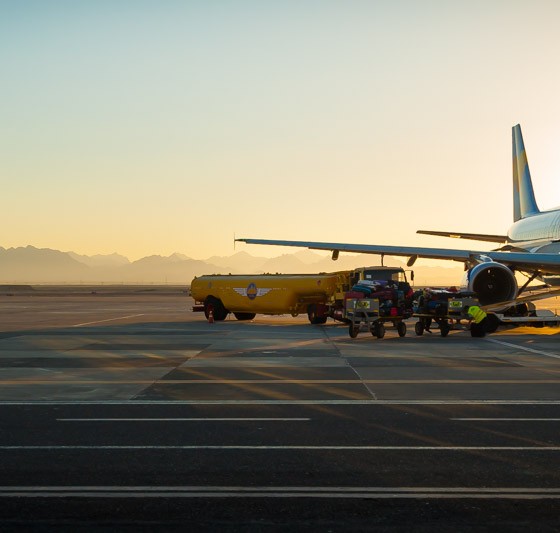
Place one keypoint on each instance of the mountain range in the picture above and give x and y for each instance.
(30, 265)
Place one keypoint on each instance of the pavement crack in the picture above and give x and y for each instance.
(339, 353)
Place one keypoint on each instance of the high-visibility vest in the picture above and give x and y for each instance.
(477, 313)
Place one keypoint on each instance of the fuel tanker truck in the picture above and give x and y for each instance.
(319, 295)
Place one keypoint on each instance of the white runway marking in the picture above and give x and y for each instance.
(44, 403)
(106, 320)
(532, 493)
(183, 419)
(517, 347)
(31, 381)
(289, 448)
(508, 419)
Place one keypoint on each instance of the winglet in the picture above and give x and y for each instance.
(524, 203)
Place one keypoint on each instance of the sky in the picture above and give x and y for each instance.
(153, 127)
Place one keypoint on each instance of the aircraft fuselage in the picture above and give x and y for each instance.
(537, 233)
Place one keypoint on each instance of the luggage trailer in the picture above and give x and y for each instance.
(364, 313)
(445, 312)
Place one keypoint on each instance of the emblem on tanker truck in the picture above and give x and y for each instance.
(251, 291)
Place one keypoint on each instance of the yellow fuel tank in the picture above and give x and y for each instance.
(274, 294)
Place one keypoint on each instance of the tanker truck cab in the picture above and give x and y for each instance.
(394, 276)
(381, 273)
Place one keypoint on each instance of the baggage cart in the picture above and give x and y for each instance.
(367, 313)
(445, 308)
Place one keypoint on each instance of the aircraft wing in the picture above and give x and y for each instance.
(523, 261)
(473, 236)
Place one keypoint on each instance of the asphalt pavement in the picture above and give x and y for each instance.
(129, 412)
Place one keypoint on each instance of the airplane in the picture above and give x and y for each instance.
(531, 245)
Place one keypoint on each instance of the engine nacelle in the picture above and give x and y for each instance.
(492, 282)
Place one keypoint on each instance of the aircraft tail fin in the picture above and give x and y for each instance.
(524, 203)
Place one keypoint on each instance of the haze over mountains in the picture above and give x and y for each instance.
(30, 265)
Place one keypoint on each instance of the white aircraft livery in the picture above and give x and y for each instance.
(531, 246)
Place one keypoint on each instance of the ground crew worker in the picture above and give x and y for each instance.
(479, 320)
(423, 299)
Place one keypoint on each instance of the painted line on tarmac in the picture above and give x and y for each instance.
(278, 492)
(183, 419)
(62, 447)
(517, 347)
(508, 419)
(158, 403)
(106, 320)
(62, 382)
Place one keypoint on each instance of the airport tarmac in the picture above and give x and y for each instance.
(123, 409)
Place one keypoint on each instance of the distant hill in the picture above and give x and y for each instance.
(42, 265)
(98, 260)
(239, 262)
(30, 265)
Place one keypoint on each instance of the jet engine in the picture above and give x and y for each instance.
(492, 282)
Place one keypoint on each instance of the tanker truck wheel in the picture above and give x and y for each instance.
(216, 306)
(313, 316)
(244, 316)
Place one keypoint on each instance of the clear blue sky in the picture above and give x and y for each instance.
(166, 126)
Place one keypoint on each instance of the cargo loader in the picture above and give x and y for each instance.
(525, 314)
